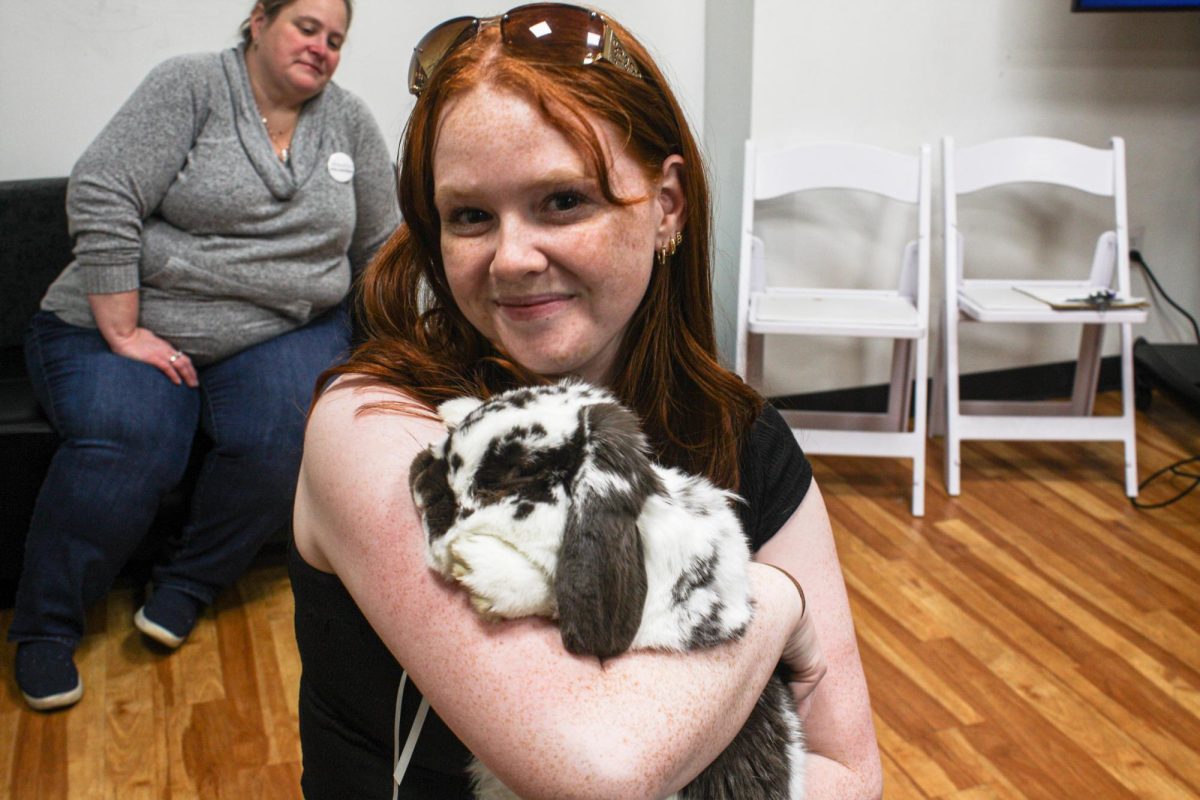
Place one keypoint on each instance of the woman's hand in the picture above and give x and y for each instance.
(805, 662)
(802, 655)
(142, 344)
(116, 317)
(843, 756)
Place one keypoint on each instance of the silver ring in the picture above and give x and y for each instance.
(175, 356)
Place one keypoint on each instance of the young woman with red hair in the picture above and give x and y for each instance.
(556, 223)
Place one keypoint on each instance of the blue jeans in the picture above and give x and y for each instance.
(127, 435)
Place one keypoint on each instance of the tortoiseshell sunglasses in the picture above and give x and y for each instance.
(549, 32)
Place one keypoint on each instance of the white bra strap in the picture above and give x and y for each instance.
(410, 744)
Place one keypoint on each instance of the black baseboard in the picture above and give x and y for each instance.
(1040, 382)
(1174, 368)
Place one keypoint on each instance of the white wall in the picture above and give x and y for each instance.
(892, 73)
(901, 73)
(727, 95)
(67, 65)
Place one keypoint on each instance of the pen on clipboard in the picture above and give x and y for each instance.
(1100, 299)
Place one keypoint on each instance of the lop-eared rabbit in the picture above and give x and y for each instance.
(544, 502)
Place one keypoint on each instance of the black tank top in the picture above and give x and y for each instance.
(350, 679)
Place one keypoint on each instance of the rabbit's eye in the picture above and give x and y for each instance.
(527, 469)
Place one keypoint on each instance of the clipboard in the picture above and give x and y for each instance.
(1075, 298)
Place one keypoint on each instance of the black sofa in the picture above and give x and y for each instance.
(34, 248)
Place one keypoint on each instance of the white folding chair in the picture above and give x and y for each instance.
(899, 312)
(1026, 160)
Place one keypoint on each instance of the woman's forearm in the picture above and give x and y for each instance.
(826, 779)
(116, 315)
(699, 702)
(640, 725)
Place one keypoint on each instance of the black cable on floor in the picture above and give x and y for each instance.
(1175, 470)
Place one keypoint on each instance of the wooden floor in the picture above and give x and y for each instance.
(1036, 637)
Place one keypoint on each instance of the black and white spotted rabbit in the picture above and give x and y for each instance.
(544, 501)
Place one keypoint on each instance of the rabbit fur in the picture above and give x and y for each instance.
(543, 501)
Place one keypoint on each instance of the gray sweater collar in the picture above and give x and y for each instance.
(281, 179)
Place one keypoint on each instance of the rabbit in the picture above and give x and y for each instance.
(544, 501)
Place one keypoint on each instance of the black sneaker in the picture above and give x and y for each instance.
(46, 675)
(168, 616)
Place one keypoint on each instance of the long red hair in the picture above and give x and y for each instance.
(694, 411)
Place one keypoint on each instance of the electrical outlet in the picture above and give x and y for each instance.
(1137, 237)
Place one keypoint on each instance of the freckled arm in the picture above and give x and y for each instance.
(549, 724)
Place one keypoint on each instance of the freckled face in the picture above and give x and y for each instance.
(300, 49)
(537, 260)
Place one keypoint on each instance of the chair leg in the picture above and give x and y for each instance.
(920, 415)
(1131, 475)
(937, 407)
(1087, 371)
(918, 484)
(907, 388)
(754, 360)
(899, 387)
(953, 442)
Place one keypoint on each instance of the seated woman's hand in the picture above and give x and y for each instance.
(142, 344)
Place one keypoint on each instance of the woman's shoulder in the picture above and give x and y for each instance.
(193, 77)
(360, 427)
(187, 68)
(358, 403)
(346, 104)
(360, 439)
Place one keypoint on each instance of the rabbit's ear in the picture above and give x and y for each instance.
(453, 412)
(600, 582)
(428, 481)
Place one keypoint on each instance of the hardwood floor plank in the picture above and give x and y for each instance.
(950, 746)
(924, 773)
(247, 745)
(1105, 741)
(1085, 566)
(283, 739)
(991, 626)
(899, 785)
(39, 769)
(895, 660)
(1042, 762)
(199, 666)
(10, 721)
(1043, 604)
(978, 793)
(87, 774)
(135, 756)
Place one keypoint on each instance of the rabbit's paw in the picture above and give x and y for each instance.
(506, 585)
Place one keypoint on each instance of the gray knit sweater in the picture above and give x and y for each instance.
(182, 197)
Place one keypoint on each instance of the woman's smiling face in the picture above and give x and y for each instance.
(536, 258)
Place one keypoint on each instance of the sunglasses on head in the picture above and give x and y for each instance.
(548, 32)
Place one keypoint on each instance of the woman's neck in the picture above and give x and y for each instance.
(271, 100)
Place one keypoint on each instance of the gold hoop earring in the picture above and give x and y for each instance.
(668, 248)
